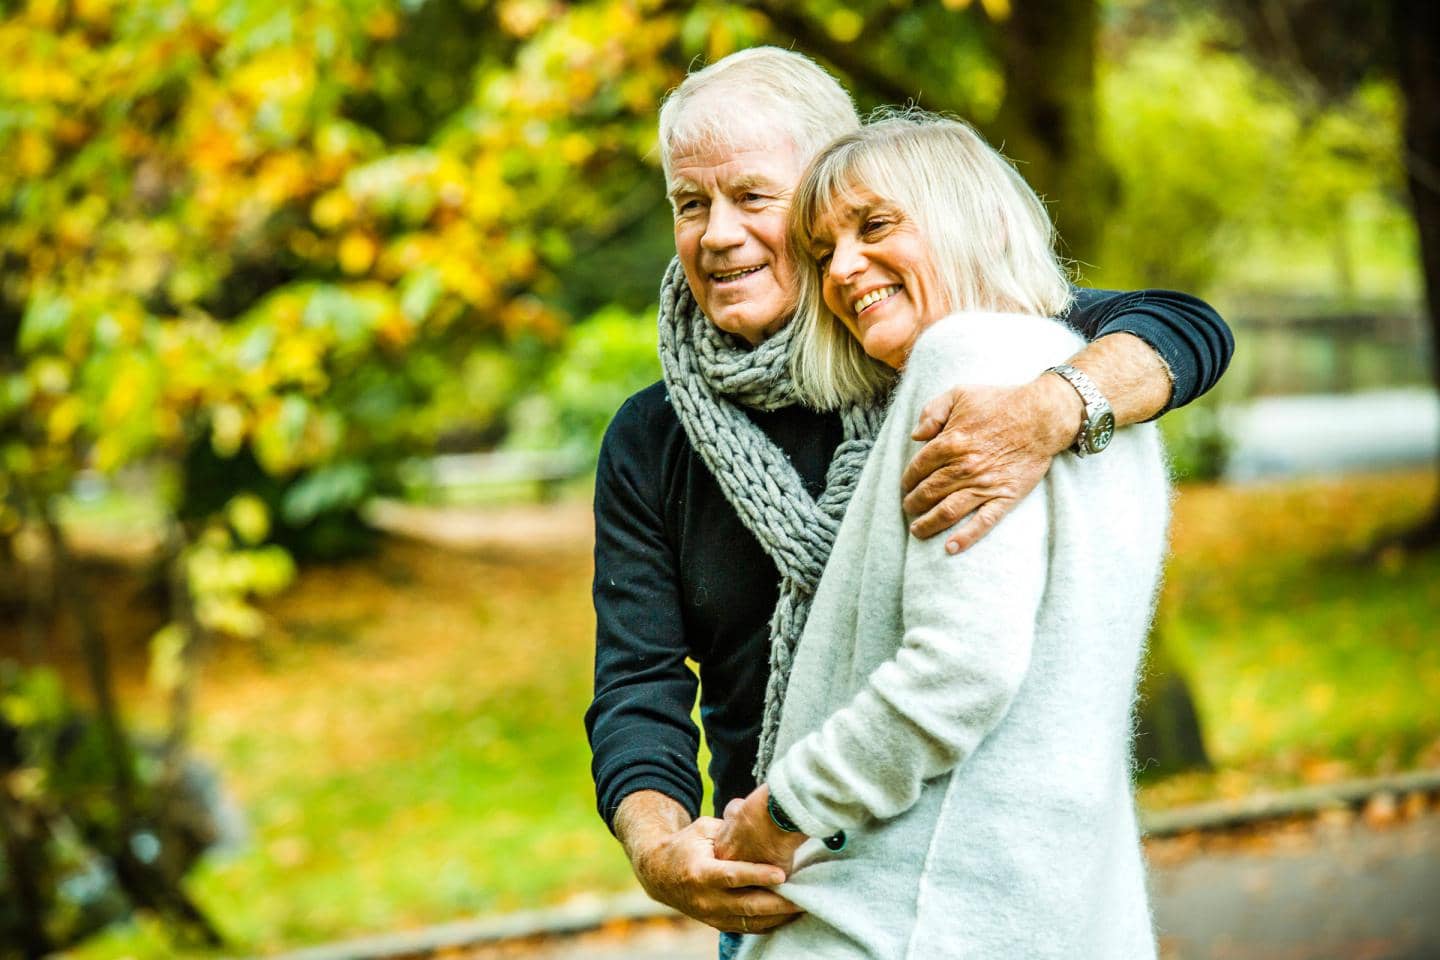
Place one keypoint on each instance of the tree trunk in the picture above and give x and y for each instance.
(97, 664)
(1417, 41)
(182, 695)
(22, 840)
(1047, 120)
(1167, 734)
(143, 882)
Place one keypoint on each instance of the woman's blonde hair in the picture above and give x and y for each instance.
(989, 238)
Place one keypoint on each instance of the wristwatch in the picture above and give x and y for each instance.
(1099, 424)
(835, 842)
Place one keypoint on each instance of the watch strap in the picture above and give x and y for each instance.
(1098, 422)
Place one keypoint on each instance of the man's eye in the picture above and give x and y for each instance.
(751, 197)
(687, 206)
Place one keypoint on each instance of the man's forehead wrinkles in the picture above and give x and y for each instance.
(739, 181)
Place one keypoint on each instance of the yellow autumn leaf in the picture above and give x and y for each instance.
(166, 648)
(332, 210)
(248, 517)
(126, 389)
(844, 24)
(357, 252)
(227, 429)
(44, 14)
(65, 418)
(33, 155)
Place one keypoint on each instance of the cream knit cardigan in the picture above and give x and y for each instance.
(966, 720)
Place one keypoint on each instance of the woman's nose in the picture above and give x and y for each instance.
(846, 261)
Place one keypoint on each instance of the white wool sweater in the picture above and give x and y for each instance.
(966, 720)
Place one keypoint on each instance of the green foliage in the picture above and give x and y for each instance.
(1197, 443)
(1227, 179)
(57, 801)
(602, 361)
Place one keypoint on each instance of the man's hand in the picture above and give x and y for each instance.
(750, 834)
(676, 863)
(988, 447)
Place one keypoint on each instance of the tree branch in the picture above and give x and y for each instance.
(843, 55)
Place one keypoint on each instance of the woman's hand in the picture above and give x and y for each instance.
(749, 834)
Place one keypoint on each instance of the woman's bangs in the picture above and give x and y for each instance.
(833, 186)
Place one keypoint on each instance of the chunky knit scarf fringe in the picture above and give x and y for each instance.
(709, 376)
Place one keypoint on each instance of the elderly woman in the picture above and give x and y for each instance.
(952, 769)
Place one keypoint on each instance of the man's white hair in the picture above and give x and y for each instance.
(757, 92)
(988, 235)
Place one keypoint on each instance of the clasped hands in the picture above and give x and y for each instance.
(750, 834)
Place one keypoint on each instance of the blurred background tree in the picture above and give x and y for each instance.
(1324, 53)
(257, 256)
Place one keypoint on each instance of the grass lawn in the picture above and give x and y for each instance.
(408, 746)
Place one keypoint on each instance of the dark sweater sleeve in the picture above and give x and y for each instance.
(1186, 331)
(639, 723)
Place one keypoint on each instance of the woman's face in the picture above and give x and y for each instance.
(877, 275)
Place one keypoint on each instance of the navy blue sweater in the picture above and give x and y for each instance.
(680, 580)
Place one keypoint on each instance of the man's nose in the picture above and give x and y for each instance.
(723, 228)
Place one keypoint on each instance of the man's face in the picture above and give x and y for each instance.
(730, 216)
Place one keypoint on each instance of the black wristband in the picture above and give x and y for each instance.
(834, 843)
(779, 816)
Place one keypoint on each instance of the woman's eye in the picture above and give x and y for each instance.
(873, 225)
(822, 260)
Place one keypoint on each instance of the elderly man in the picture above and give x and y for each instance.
(717, 497)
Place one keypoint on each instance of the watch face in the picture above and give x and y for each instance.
(1104, 430)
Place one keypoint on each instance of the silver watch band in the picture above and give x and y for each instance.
(1099, 424)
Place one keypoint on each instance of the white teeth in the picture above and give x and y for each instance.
(874, 296)
(737, 273)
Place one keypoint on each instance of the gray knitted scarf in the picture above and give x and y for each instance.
(709, 376)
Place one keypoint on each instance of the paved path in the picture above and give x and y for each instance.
(1325, 889)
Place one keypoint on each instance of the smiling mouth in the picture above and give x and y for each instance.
(873, 297)
(736, 274)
